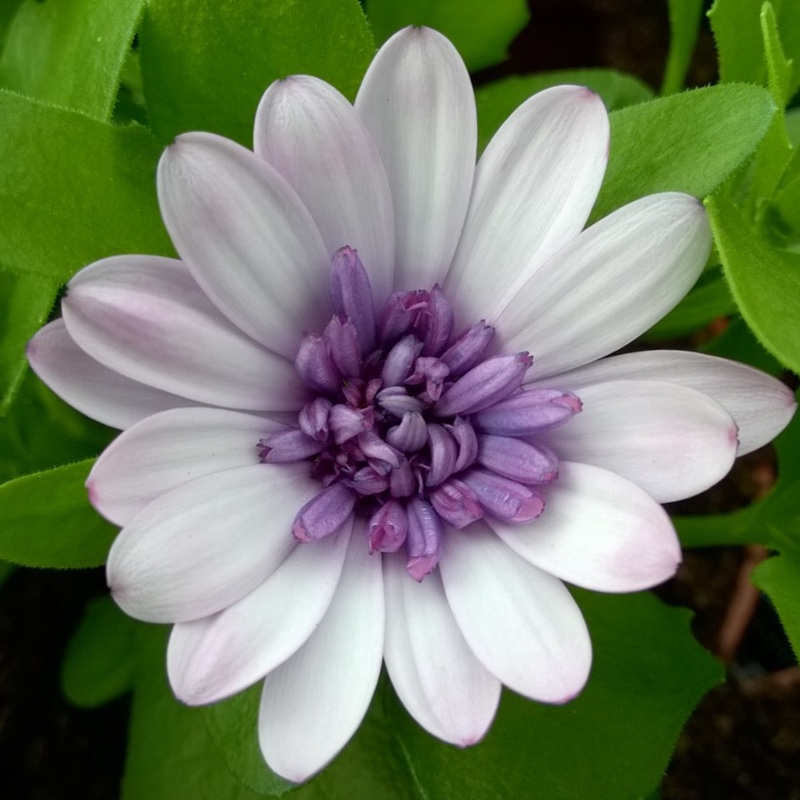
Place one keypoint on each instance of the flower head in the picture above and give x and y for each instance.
(369, 415)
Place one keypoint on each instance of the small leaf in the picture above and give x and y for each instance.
(99, 662)
(496, 101)
(74, 190)
(779, 577)
(46, 520)
(480, 31)
(737, 35)
(206, 63)
(613, 741)
(689, 142)
(765, 282)
(70, 52)
(25, 303)
(684, 23)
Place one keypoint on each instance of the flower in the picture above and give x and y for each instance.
(369, 414)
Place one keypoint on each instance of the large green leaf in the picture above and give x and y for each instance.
(173, 755)
(70, 52)
(612, 743)
(496, 101)
(206, 63)
(46, 520)
(481, 31)
(25, 303)
(73, 190)
(684, 23)
(689, 142)
(99, 661)
(779, 577)
(765, 281)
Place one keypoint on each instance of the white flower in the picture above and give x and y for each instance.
(452, 481)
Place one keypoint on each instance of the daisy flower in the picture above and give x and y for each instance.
(370, 414)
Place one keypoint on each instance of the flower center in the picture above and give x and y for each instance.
(411, 426)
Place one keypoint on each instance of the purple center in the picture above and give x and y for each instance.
(411, 426)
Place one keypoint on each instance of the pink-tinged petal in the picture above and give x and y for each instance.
(95, 390)
(212, 658)
(672, 441)
(169, 449)
(146, 318)
(314, 702)
(760, 406)
(435, 674)
(598, 531)
(521, 622)
(313, 137)
(610, 284)
(534, 188)
(417, 102)
(246, 236)
(206, 544)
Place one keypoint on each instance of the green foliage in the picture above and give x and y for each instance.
(70, 52)
(99, 662)
(684, 21)
(497, 101)
(612, 742)
(206, 63)
(689, 142)
(765, 281)
(46, 520)
(480, 31)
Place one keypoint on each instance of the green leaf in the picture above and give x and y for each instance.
(496, 101)
(689, 142)
(232, 725)
(70, 52)
(206, 63)
(779, 577)
(73, 190)
(705, 302)
(779, 68)
(684, 23)
(612, 742)
(765, 282)
(480, 31)
(737, 33)
(170, 755)
(46, 520)
(99, 662)
(25, 303)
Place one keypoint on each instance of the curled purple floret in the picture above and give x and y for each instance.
(466, 351)
(351, 295)
(313, 418)
(484, 385)
(456, 503)
(286, 447)
(387, 528)
(503, 498)
(344, 347)
(424, 538)
(436, 322)
(324, 514)
(315, 365)
(513, 458)
(528, 412)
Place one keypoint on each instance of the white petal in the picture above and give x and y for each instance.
(417, 102)
(314, 702)
(95, 390)
(610, 284)
(206, 544)
(521, 622)
(672, 441)
(598, 531)
(247, 238)
(169, 449)
(534, 188)
(760, 406)
(146, 318)
(435, 674)
(215, 657)
(313, 137)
